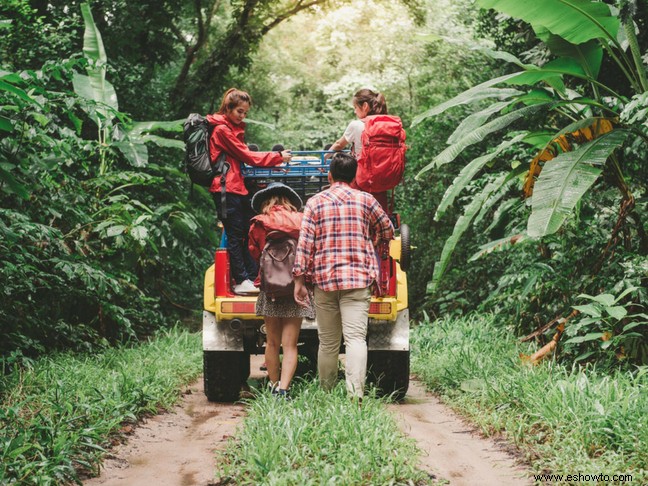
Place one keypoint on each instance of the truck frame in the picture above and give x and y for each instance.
(232, 332)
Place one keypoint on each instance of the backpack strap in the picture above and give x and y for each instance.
(221, 160)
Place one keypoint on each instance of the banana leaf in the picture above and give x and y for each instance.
(460, 228)
(576, 21)
(476, 120)
(550, 73)
(162, 141)
(94, 86)
(498, 245)
(476, 93)
(589, 54)
(140, 128)
(467, 174)
(565, 179)
(136, 153)
(539, 139)
(450, 153)
(510, 181)
(93, 47)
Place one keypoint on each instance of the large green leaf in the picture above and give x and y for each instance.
(480, 92)
(162, 141)
(95, 87)
(565, 179)
(460, 228)
(450, 153)
(93, 47)
(476, 120)
(136, 153)
(98, 90)
(5, 124)
(498, 245)
(467, 174)
(589, 54)
(151, 126)
(549, 73)
(576, 21)
(21, 93)
(513, 178)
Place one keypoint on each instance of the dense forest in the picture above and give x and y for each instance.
(525, 192)
(526, 177)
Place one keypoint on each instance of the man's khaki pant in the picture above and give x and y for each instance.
(342, 313)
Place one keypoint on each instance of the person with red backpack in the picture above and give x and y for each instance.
(233, 201)
(378, 142)
(278, 220)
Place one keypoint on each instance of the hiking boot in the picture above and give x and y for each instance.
(246, 287)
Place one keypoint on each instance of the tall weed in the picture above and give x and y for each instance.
(57, 415)
(319, 438)
(564, 419)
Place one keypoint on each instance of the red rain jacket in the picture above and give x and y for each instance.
(231, 138)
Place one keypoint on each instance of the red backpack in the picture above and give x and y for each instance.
(382, 161)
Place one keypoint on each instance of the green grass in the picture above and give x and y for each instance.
(565, 420)
(319, 438)
(57, 415)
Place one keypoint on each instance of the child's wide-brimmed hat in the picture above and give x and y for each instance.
(275, 189)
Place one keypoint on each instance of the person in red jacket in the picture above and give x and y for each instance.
(278, 207)
(234, 210)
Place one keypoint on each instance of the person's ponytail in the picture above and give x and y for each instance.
(379, 105)
(376, 101)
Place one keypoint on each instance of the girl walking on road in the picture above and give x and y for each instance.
(278, 207)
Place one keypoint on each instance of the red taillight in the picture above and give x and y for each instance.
(222, 273)
(231, 307)
(380, 308)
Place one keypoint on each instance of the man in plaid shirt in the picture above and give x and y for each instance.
(336, 253)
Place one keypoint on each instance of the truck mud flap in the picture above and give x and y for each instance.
(389, 335)
(219, 336)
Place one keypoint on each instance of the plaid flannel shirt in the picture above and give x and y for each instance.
(339, 231)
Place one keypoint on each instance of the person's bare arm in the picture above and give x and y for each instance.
(339, 144)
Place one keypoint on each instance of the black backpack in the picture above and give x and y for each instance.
(198, 166)
(276, 264)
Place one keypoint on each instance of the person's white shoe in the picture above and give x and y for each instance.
(246, 287)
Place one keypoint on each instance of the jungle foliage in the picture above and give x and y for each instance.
(92, 227)
(566, 141)
(525, 185)
(560, 418)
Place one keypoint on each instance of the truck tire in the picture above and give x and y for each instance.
(406, 249)
(389, 372)
(224, 372)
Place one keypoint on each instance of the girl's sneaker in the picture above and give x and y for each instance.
(282, 394)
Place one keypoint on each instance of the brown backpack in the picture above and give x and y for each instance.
(276, 264)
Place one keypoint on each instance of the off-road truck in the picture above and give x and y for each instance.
(232, 331)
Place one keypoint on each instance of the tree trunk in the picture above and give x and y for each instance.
(251, 23)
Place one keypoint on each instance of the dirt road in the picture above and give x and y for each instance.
(177, 448)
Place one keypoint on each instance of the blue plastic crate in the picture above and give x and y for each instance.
(303, 164)
(307, 173)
